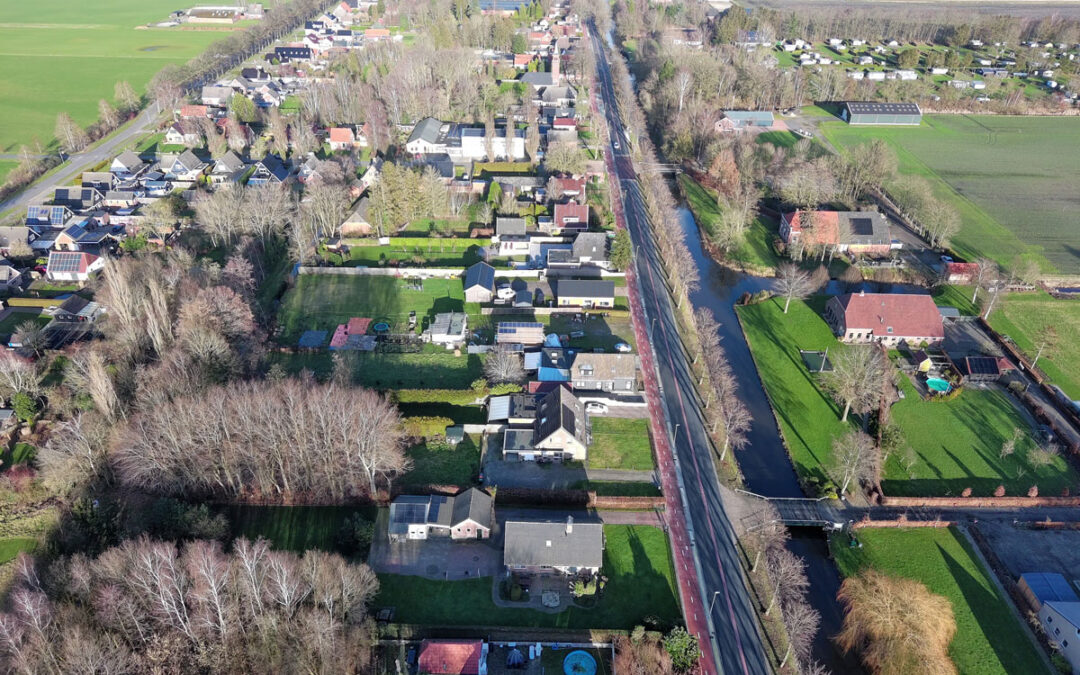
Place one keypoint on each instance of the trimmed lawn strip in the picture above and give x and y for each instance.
(1021, 316)
(958, 297)
(988, 640)
(620, 444)
(436, 463)
(12, 546)
(440, 370)
(294, 528)
(641, 583)
(756, 251)
(20, 316)
(959, 443)
(809, 419)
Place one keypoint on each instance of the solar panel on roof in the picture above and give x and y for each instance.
(982, 365)
(862, 226)
(64, 262)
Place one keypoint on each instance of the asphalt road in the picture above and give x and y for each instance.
(737, 644)
(83, 161)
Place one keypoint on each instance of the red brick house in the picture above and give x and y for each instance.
(858, 232)
(887, 318)
(341, 138)
(571, 217)
(194, 111)
(961, 273)
(453, 657)
(571, 188)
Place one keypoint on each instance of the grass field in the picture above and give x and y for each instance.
(641, 583)
(988, 639)
(440, 370)
(65, 55)
(322, 301)
(1022, 316)
(956, 296)
(12, 546)
(756, 252)
(294, 528)
(620, 444)
(16, 318)
(436, 463)
(1012, 179)
(957, 441)
(6, 165)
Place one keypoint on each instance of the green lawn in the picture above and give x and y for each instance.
(414, 252)
(956, 296)
(1022, 316)
(19, 316)
(436, 463)
(1012, 179)
(756, 252)
(600, 332)
(12, 546)
(65, 55)
(959, 443)
(322, 301)
(988, 640)
(620, 444)
(293, 528)
(440, 370)
(6, 165)
(809, 419)
(641, 583)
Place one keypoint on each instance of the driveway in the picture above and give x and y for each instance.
(549, 476)
(967, 338)
(437, 558)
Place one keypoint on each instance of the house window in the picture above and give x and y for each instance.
(1064, 644)
(1057, 631)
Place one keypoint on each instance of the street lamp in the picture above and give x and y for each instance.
(715, 593)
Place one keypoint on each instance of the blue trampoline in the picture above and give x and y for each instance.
(579, 663)
(381, 327)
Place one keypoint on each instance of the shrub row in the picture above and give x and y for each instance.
(426, 427)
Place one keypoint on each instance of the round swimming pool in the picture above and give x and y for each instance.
(579, 663)
(381, 327)
(939, 385)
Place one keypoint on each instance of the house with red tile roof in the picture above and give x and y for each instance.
(341, 138)
(960, 272)
(888, 318)
(858, 232)
(522, 61)
(453, 657)
(571, 217)
(191, 111)
(377, 34)
(572, 188)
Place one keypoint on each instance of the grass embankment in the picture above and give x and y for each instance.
(1011, 179)
(756, 253)
(989, 640)
(620, 444)
(957, 442)
(641, 583)
(1023, 316)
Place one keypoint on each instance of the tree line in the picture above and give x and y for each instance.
(156, 606)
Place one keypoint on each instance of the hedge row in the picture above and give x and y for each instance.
(426, 427)
(453, 396)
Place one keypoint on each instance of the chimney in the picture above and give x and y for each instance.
(862, 293)
(555, 65)
(569, 524)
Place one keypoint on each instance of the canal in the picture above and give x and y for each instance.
(764, 462)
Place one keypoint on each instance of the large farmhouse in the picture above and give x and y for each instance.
(858, 232)
(887, 318)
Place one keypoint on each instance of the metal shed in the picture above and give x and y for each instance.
(873, 112)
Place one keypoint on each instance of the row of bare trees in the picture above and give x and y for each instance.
(723, 407)
(151, 606)
(275, 439)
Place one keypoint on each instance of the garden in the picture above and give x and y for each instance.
(989, 639)
(640, 590)
(620, 444)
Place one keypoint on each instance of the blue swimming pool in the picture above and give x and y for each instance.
(579, 663)
(939, 385)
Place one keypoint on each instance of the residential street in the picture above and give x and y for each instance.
(736, 645)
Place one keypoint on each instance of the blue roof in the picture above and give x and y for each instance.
(480, 274)
(548, 374)
(1049, 586)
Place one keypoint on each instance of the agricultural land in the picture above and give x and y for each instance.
(1023, 317)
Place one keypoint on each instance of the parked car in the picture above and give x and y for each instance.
(804, 133)
(946, 258)
(623, 347)
(595, 408)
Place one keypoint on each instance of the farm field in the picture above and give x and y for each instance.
(65, 55)
(641, 583)
(1022, 316)
(957, 442)
(988, 639)
(1012, 180)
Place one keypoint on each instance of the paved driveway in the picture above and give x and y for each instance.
(437, 558)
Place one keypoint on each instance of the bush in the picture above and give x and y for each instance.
(1033, 491)
(426, 427)
(450, 396)
(25, 406)
(355, 535)
(966, 492)
(515, 592)
(171, 519)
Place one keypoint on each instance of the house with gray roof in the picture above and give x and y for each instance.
(479, 283)
(469, 515)
(228, 168)
(586, 293)
(448, 329)
(510, 233)
(604, 372)
(567, 548)
(127, 165)
(590, 248)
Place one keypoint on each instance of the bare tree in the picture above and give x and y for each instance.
(31, 337)
(89, 373)
(787, 574)
(1009, 446)
(855, 459)
(802, 622)
(126, 96)
(503, 365)
(72, 137)
(792, 282)
(856, 378)
(18, 375)
(108, 115)
(1046, 342)
(75, 451)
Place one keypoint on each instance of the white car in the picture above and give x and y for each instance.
(804, 133)
(623, 348)
(595, 408)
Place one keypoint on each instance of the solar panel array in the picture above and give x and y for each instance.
(54, 214)
(410, 513)
(510, 327)
(982, 365)
(64, 261)
(862, 226)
